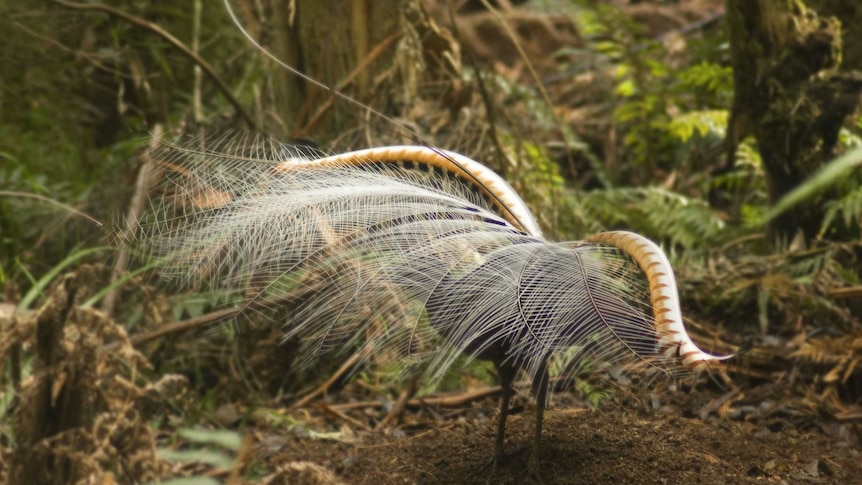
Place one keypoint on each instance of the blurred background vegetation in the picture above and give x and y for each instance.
(603, 114)
(650, 116)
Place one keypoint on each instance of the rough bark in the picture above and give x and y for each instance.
(327, 40)
(790, 94)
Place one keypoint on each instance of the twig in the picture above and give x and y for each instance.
(398, 408)
(359, 30)
(851, 292)
(173, 41)
(328, 409)
(196, 40)
(329, 382)
(178, 327)
(716, 403)
(12, 193)
(848, 416)
(455, 401)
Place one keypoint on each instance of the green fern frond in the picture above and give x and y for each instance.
(591, 393)
(803, 269)
(658, 213)
(703, 123)
(848, 208)
(710, 76)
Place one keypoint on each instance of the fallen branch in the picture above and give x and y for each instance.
(328, 409)
(329, 382)
(851, 292)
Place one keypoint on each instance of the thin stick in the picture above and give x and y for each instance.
(850, 292)
(340, 415)
(329, 382)
(178, 327)
(12, 193)
(398, 408)
(716, 403)
(196, 41)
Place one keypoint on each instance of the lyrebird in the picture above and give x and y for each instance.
(411, 253)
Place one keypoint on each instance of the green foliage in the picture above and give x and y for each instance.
(79, 91)
(702, 123)
(228, 440)
(660, 100)
(711, 78)
(209, 447)
(30, 228)
(656, 213)
(847, 209)
(39, 286)
(830, 175)
(591, 393)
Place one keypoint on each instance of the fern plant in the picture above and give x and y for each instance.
(661, 214)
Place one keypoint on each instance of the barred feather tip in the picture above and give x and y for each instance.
(505, 199)
(673, 338)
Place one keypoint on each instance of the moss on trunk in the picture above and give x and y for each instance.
(790, 94)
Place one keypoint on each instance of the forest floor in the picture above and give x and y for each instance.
(105, 423)
(669, 439)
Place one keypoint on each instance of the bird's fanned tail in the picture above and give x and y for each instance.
(406, 255)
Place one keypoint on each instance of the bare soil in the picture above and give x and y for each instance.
(661, 441)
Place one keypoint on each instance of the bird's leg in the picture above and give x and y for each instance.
(506, 375)
(540, 389)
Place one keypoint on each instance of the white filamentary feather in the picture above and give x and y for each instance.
(416, 263)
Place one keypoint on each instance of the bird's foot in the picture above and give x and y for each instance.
(534, 470)
(496, 461)
(499, 460)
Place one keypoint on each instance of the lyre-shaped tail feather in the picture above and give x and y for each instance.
(400, 262)
(673, 340)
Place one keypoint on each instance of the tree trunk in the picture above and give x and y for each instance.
(790, 94)
(327, 40)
